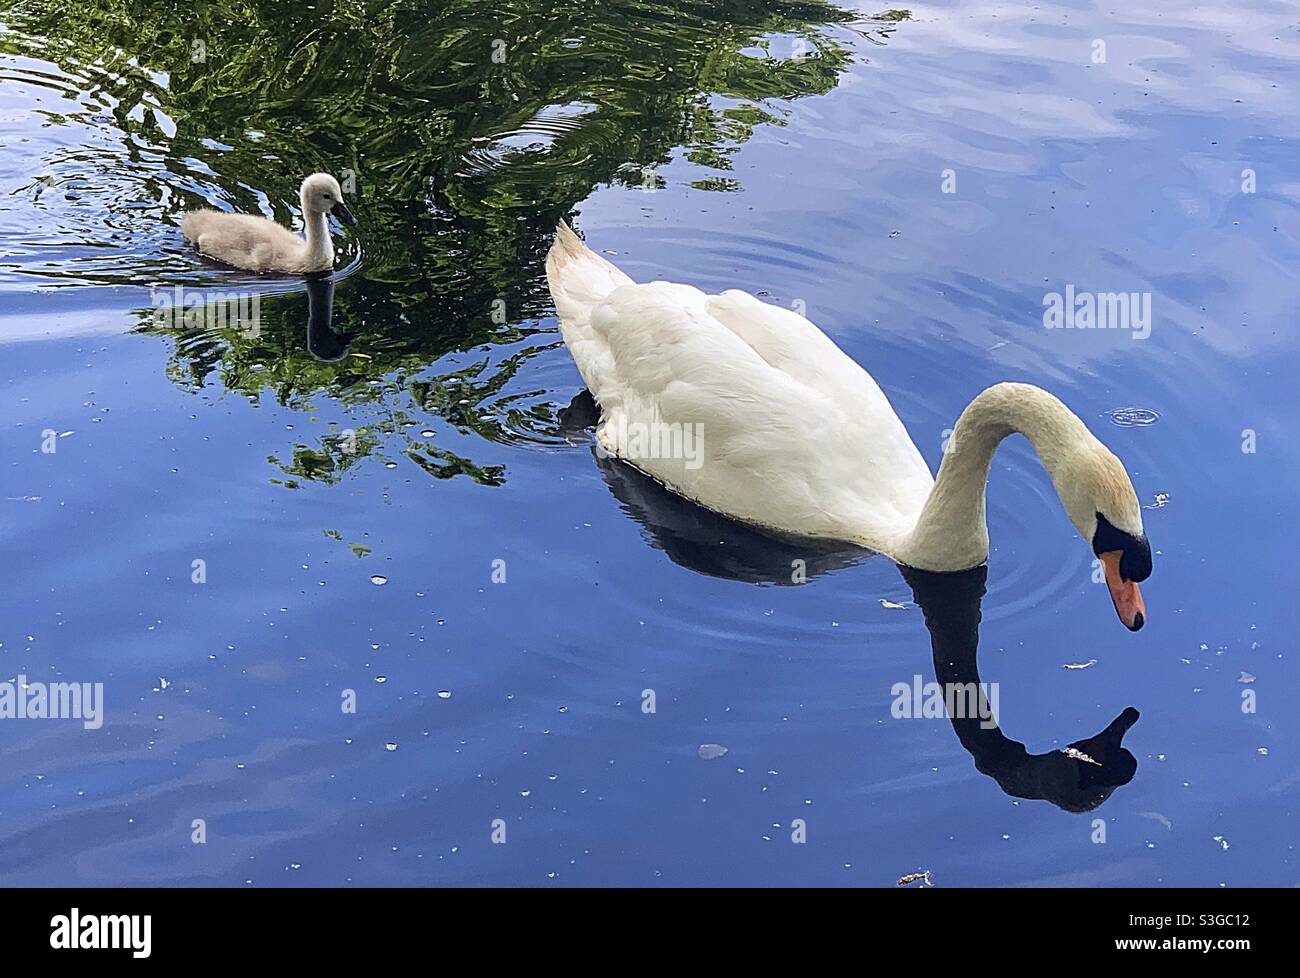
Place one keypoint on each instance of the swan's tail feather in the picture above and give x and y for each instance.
(567, 240)
(578, 277)
(580, 280)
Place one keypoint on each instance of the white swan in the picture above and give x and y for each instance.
(751, 411)
(259, 245)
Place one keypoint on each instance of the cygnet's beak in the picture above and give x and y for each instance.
(340, 210)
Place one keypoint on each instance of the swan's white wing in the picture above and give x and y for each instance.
(750, 413)
(788, 341)
(794, 345)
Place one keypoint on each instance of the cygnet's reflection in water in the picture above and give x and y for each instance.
(1077, 779)
(323, 342)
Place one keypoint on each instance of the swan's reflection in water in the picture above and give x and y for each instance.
(1076, 781)
(323, 342)
(710, 544)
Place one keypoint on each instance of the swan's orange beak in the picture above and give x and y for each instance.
(1128, 599)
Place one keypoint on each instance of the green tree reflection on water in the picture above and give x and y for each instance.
(471, 128)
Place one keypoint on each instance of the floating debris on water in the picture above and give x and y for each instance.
(1223, 843)
(1158, 501)
(379, 580)
(924, 876)
(711, 751)
(1133, 417)
(1081, 665)
(892, 604)
(1079, 755)
(1159, 818)
(1245, 677)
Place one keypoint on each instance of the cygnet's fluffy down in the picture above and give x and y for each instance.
(260, 245)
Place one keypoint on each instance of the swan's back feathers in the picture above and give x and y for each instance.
(793, 345)
(246, 241)
(789, 432)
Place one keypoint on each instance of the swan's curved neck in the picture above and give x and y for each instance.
(951, 533)
(320, 249)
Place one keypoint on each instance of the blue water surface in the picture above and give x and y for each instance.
(503, 603)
